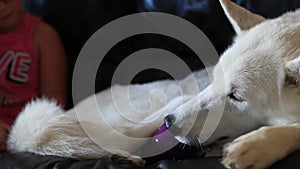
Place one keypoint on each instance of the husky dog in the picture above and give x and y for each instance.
(256, 83)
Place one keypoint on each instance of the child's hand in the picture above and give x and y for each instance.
(4, 130)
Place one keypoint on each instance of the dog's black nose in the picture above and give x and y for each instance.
(169, 120)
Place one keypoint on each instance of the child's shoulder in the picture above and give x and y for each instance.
(45, 33)
(44, 30)
(46, 40)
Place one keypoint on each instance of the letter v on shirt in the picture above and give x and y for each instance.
(17, 66)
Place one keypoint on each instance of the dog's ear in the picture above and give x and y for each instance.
(240, 18)
(292, 73)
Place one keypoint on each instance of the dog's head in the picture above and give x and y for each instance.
(254, 82)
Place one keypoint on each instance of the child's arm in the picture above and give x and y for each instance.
(4, 130)
(52, 63)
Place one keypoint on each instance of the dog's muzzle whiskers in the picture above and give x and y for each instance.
(200, 145)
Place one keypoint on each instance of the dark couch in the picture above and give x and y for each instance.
(77, 20)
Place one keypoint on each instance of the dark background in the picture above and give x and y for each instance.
(77, 20)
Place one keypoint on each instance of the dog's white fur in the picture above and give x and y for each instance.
(257, 80)
(85, 132)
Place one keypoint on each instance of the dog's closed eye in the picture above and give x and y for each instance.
(236, 97)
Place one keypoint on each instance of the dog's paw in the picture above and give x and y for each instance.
(256, 150)
(134, 160)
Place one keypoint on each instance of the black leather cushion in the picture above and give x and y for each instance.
(31, 161)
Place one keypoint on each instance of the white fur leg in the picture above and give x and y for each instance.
(261, 148)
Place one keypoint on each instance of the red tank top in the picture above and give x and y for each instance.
(19, 69)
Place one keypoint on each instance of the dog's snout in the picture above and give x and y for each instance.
(169, 120)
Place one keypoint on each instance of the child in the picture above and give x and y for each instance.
(32, 63)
